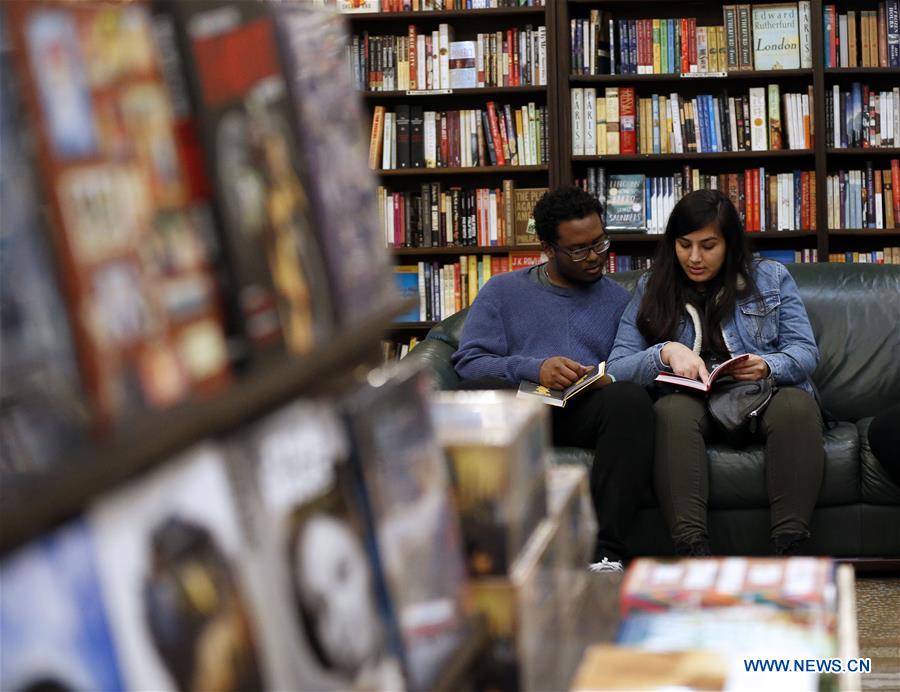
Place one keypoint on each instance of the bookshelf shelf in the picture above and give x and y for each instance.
(427, 172)
(456, 250)
(35, 503)
(697, 77)
(865, 151)
(860, 71)
(690, 156)
(762, 235)
(442, 15)
(452, 93)
(865, 232)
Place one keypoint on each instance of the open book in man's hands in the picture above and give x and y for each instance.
(559, 397)
(697, 385)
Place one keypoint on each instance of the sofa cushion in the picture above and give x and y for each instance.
(855, 314)
(876, 487)
(737, 478)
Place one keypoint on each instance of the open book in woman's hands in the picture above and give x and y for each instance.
(697, 385)
(559, 397)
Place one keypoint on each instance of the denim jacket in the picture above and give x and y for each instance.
(776, 328)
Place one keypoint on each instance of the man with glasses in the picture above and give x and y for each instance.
(548, 324)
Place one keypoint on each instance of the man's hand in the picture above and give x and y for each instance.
(749, 369)
(559, 372)
(684, 361)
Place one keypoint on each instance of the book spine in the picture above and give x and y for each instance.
(612, 120)
(745, 42)
(577, 95)
(376, 140)
(758, 119)
(627, 113)
(803, 7)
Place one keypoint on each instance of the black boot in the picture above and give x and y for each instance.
(697, 548)
(790, 543)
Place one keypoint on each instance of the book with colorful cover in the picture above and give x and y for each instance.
(53, 619)
(625, 203)
(142, 297)
(267, 233)
(523, 210)
(333, 149)
(689, 383)
(415, 519)
(176, 579)
(776, 36)
(303, 507)
(560, 397)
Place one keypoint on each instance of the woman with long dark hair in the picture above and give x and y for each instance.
(705, 300)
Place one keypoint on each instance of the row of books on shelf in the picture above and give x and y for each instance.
(867, 198)
(392, 350)
(862, 117)
(887, 255)
(387, 6)
(412, 137)
(765, 201)
(310, 520)
(187, 211)
(862, 38)
(618, 122)
(450, 217)
(418, 61)
(444, 288)
(751, 37)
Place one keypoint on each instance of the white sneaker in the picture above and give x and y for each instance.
(606, 565)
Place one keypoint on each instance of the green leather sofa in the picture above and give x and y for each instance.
(855, 314)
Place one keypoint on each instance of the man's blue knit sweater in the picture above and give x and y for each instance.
(516, 323)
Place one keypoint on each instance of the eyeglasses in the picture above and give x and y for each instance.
(582, 253)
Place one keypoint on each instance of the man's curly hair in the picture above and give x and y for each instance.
(563, 204)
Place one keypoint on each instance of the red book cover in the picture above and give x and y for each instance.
(512, 50)
(413, 61)
(495, 133)
(685, 45)
(754, 199)
(639, 31)
(398, 220)
(812, 200)
(832, 21)
(495, 265)
(627, 136)
(895, 179)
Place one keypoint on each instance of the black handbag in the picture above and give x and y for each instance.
(736, 406)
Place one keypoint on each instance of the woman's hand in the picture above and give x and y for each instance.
(684, 361)
(750, 369)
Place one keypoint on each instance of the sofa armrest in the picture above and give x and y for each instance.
(435, 356)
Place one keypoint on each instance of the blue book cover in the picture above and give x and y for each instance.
(53, 622)
(632, 44)
(855, 124)
(704, 124)
(406, 279)
(713, 124)
(650, 186)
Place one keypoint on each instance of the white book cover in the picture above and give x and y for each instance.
(803, 8)
(612, 120)
(393, 141)
(533, 124)
(525, 145)
(732, 124)
(389, 217)
(577, 121)
(479, 59)
(843, 41)
(836, 114)
(434, 76)
(421, 62)
(387, 161)
(542, 55)
(797, 114)
(879, 210)
(758, 138)
(445, 38)
(702, 50)
(176, 577)
(896, 125)
(590, 119)
(430, 135)
(676, 123)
